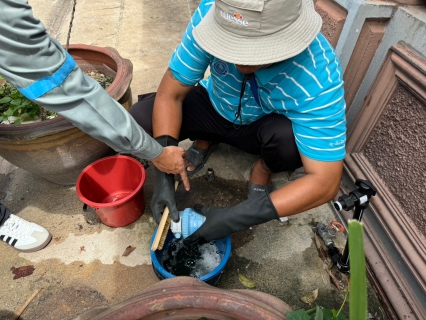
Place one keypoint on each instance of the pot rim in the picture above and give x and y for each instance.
(186, 293)
(124, 67)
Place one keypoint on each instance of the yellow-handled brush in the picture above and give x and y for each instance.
(163, 228)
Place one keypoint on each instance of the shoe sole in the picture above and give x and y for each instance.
(41, 246)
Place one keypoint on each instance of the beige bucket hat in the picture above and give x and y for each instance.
(257, 32)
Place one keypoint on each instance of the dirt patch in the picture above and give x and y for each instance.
(102, 79)
(65, 304)
(22, 272)
(220, 193)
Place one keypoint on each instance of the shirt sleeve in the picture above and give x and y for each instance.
(310, 93)
(320, 131)
(189, 61)
(320, 127)
(42, 70)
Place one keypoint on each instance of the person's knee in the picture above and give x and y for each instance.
(281, 162)
(278, 132)
(136, 111)
(142, 115)
(280, 151)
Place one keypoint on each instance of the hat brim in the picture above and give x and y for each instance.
(244, 50)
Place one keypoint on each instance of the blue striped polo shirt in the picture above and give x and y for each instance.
(307, 89)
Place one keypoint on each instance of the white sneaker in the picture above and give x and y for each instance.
(23, 235)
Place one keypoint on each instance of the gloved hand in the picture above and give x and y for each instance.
(164, 191)
(221, 222)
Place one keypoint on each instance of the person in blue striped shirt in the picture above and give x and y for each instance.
(275, 89)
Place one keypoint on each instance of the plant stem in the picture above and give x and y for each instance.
(344, 301)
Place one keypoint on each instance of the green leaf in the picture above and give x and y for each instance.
(318, 314)
(16, 102)
(5, 100)
(341, 316)
(9, 112)
(358, 279)
(297, 315)
(328, 314)
(31, 113)
(311, 311)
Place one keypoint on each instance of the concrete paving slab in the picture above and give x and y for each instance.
(84, 260)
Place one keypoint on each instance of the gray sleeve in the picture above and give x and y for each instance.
(28, 56)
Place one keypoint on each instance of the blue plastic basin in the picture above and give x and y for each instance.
(212, 278)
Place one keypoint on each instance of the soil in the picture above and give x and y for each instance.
(220, 193)
(103, 80)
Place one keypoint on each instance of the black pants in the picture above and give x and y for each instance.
(4, 214)
(271, 136)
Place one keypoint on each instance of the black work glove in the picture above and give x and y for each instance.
(221, 222)
(164, 190)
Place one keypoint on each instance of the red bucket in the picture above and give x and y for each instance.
(114, 187)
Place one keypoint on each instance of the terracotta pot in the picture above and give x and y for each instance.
(55, 149)
(188, 298)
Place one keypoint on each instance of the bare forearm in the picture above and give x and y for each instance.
(167, 117)
(167, 114)
(310, 191)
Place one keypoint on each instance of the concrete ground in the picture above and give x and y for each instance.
(84, 267)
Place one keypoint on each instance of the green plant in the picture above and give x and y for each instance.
(358, 284)
(317, 313)
(358, 294)
(14, 104)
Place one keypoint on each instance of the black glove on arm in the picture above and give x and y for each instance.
(221, 222)
(164, 191)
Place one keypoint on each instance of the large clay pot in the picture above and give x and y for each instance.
(184, 298)
(55, 149)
